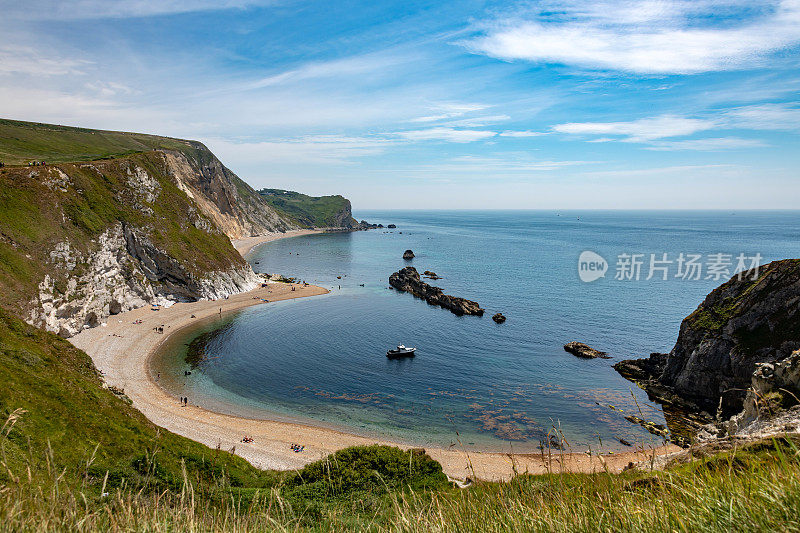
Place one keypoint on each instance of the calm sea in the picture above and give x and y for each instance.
(473, 384)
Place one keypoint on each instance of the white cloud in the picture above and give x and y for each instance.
(94, 9)
(653, 37)
(678, 171)
(311, 149)
(450, 111)
(707, 145)
(642, 130)
(492, 166)
(524, 133)
(446, 134)
(781, 117)
(16, 59)
(349, 66)
(476, 122)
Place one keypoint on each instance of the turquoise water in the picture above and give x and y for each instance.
(474, 383)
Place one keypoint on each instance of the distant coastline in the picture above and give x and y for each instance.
(246, 245)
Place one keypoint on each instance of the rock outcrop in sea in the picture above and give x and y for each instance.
(408, 280)
(499, 318)
(408, 254)
(584, 351)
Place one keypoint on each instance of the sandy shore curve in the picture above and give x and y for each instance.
(121, 350)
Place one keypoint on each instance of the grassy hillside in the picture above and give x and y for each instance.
(65, 440)
(76, 457)
(21, 142)
(310, 211)
(35, 216)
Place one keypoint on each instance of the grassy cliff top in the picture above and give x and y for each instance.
(315, 211)
(21, 142)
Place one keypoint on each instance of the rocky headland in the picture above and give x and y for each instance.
(736, 361)
(407, 280)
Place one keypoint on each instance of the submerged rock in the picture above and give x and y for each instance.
(408, 280)
(408, 254)
(584, 351)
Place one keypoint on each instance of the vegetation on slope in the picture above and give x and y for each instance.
(22, 142)
(74, 456)
(35, 216)
(310, 211)
(67, 440)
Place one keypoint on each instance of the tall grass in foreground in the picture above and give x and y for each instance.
(751, 489)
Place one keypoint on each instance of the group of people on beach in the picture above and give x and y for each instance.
(184, 401)
(247, 439)
(297, 448)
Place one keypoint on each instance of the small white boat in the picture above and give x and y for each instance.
(401, 351)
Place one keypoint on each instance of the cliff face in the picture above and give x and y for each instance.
(233, 205)
(82, 241)
(739, 326)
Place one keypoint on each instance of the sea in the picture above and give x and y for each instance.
(620, 281)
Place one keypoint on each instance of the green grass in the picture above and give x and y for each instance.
(75, 457)
(67, 440)
(34, 218)
(21, 142)
(310, 211)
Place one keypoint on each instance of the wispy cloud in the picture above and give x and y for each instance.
(650, 37)
(344, 67)
(497, 166)
(707, 145)
(523, 133)
(446, 134)
(16, 59)
(780, 117)
(449, 111)
(310, 149)
(642, 130)
(660, 132)
(97, 9)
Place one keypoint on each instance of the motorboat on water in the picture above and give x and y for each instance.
(401, 351)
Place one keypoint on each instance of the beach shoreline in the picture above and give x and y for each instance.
(246, 245)
(121, 349)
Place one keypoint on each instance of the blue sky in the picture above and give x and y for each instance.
(472, 104)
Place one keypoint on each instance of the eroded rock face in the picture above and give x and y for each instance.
(122, 271)
(774, 388)
(235, 207)
(584, 351)
(739, 325)
(408, 280)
